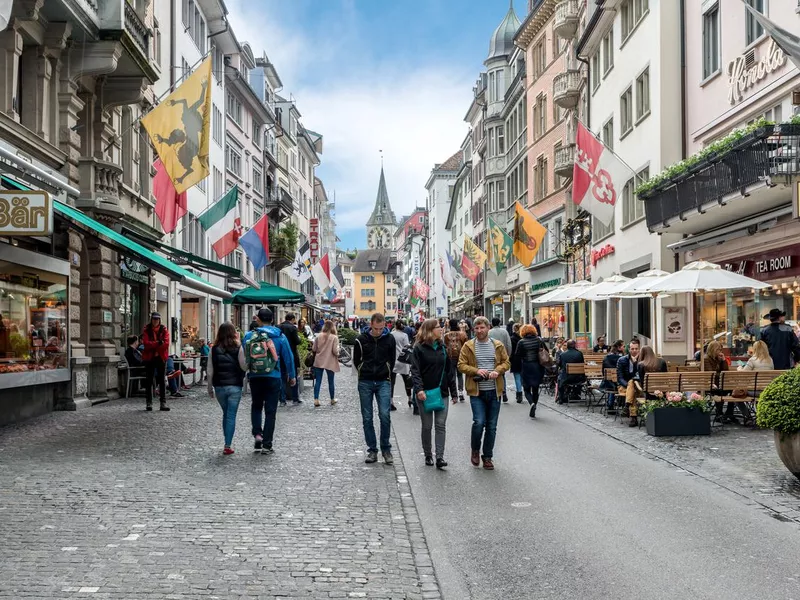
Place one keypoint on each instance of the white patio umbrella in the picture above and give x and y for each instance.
(570, 292)
(545, 298)
(700, 277)
(604, 289)
(633, 289)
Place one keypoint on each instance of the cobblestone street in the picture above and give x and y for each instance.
(116, 502)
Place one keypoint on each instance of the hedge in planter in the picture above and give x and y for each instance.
(779, 409)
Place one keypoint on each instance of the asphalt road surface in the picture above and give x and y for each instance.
(571, 513)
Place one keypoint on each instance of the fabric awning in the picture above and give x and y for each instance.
(267, 294)
(85, 223)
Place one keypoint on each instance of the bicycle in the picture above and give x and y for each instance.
(345, 357)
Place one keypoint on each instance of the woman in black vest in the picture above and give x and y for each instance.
(226, 378)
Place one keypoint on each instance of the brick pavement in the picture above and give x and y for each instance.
(739, 459)
(115, 502)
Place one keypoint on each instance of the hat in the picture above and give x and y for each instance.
(155, 315)
(775, 314)
(265, 315)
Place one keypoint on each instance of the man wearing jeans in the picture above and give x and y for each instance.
(373, 357)
(484, 361)
(265, 385)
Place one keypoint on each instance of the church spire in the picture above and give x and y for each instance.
(382, 214)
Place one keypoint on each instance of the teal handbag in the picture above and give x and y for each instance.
(433, 398)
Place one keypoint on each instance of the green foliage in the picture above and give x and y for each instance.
(347, 336)
(677, 400)
(284, 240)
(779, 404)
(303, 349)
(20, 346)
(715, 150)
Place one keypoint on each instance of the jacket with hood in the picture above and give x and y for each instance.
(156, 343)
(285, 358)
(374, 357)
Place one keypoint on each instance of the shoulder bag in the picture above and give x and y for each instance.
(544, 355)
(433, 398)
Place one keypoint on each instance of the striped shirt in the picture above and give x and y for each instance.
(485, 355)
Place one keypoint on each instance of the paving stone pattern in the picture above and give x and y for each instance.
(739, 459)
(116, 502)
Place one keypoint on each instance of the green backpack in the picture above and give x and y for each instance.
(262, 358)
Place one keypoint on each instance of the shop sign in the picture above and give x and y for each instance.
(313, 238)
(675, 324)
(605, 251)
(134, 271)
(507, 298)
(765, 266)
(741, 79)
(538, 287)
(26, 213)
(780, 263)
(162, 293)
(496, 300)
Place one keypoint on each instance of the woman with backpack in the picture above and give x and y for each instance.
(326, 360)
(226, 378)
(433, 375)
(531, 352)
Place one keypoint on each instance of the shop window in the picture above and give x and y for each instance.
(33, 320)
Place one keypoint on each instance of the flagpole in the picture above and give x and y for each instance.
(593, 134)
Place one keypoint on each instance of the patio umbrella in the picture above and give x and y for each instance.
(570, 292)
(700, 277)
(633, 289)
(604, 289)
(545, 298)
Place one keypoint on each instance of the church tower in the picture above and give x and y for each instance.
(382, 223)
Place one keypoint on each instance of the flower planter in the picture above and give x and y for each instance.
(675, 421)
(788, 447)
(790, 129)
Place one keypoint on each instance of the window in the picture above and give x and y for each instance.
(501, 140)
(218, 189)
(373, 264)
(753, 28)
(368, 305)
(202, 185)
(540, 179)
(539, 58)
(256, 134)
(217, 125)
(711, 51)
(643, 94)
(596, 76)
(368, 279)
(156, 41)
(258, 178)
(540, 117)
(608, 134)
(233, 158)
(600, 231)
(195, 24)
(234, 108)
(217, 62)
(608, 52)
(626, 111)
(368, 292)
(632, 207)
(631, 13)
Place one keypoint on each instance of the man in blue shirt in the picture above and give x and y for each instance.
(264, 376)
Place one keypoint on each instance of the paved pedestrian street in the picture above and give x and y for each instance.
(116, 502)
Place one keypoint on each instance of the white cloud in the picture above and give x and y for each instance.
(412, 112)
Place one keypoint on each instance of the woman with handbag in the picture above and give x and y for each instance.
(433, 377)
(534, 357)
(226, 371)
(325, 353)
(402, 363)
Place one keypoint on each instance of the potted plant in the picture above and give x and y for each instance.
(779, 409)
(677, 413)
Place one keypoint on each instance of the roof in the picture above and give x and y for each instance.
(502, 42)
(451, 164)
(382, 214)
(382, 257)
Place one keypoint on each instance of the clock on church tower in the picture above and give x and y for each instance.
(382, 224)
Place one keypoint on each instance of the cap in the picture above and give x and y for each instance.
(155, 315)
(775, 314)
(265, 315)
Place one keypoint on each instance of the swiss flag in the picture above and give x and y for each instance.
(598, 177)
(170, 205)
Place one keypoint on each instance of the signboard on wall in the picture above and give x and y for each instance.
(26, 213)
(583, 341)
(768, 266)
(313, 238)
(674, 324)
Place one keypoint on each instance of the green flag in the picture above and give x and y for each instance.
(501, 244)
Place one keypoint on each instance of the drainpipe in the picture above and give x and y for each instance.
(684, 141)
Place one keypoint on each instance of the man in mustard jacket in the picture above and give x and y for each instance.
(483, 361)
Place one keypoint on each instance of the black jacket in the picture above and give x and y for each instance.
(662, 368)
(570, 356)
(624, 371)
(516, 362)
(374, 357)
(610, 361)
(290, 331)
(599, 348)
(226, 367)
(528, 349)
(133, 357)
(782, 344)
(427, 363)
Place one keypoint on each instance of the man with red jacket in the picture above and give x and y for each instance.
(155, 338)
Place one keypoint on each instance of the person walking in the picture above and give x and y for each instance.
(484, 361)
(532, 370)
(226, 378)
(326, 360)
(516, 362)
(499, 333)
(155, 339)
(401, 341)
(431, 369)
(454, 340)
(267, 353)
(289, 329)
(781, 340)
(374, 355)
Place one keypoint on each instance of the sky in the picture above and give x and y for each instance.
(372, 75)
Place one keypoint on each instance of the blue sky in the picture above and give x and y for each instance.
(374, 75)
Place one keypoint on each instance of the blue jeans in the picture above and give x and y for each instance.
(265, 392)
(228, 397)
(485, 411)
(518, 382)
(382, 390)
(318, 382)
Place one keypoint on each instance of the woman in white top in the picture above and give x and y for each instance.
(760, 361)
(403, 369)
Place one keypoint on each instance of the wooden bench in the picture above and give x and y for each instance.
(753, 382)
(682, 368)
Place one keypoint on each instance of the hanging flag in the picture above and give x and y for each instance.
(500, 243)
(447, 275)
(5, 13)
(597, 177)
(528, 235)
(473, 259)
(256, 243)
(321, 274)
(301, 267)
(337, 276)
(222, 223)
(179, 128)
(170, 205)
(786, 41)
(421, 289)
(455, 265)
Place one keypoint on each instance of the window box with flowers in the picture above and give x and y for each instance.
(677, 414)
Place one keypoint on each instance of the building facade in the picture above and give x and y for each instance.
(374, 283)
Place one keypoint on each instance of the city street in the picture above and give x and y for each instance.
(114, 502)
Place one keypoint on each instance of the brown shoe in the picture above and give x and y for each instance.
(488, 464)
(476, 458)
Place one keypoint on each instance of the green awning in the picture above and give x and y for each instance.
(268, 294)
(85, 223)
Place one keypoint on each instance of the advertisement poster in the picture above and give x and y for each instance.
(675, 324)
(583, 341)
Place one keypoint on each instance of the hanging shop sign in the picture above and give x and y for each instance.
(601, 253)
(26, 213)
(313, 238)
(134, 271)
(162, 293)
(741, 77)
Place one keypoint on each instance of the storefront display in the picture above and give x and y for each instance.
(552, 320)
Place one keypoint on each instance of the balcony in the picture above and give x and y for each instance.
(566, 20)
(282, 246)
(567, 89)
(278, 205)
(119, 21)
(739, 182)
(564, 160)
(100, 184)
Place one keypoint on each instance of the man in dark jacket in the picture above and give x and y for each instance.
(610, 362)
(628, 375)
(155, 338)
(568, 382)
(289, 329)
(781, 340)
(374, 355)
